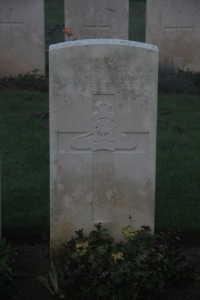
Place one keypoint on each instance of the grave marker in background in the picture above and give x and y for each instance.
(174, 26)
(103, 98)
(91, 19)
(22, 37)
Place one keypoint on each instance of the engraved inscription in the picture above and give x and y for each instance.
(104, 134)
(12, 25)
(112, 71)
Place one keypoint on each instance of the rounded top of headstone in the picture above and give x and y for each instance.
(117, 42)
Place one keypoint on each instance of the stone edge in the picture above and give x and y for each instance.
(103, 42)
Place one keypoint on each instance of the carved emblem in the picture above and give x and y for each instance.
(103, 134)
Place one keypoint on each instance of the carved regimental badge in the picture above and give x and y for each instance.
(103, 134)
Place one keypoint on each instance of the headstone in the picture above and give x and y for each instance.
(174, 26)
(91, 19)
(103, 96)
(22, 37)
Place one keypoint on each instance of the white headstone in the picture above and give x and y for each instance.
(21, 36)
(91, 19)
(103, 98)
(174, 26)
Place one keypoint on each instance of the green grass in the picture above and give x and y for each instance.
(54, 23)
(137, 15)
(178, 172)
(25, 163)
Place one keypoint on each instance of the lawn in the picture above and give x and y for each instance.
(25, 150)
(25, 163)
(137, 12)
(178, 172)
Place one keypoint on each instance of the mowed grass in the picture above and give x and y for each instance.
(137, 16)
(54, 21)
(54, 24)
(178, 163)
(25, 163)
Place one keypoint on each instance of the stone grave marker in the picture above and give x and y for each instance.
(103, 103)
(22, 37)
(174, 26)
(91, 19)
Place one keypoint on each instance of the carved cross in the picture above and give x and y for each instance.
(102, 141)
(178, 28)
(94, 25)
(11, 23)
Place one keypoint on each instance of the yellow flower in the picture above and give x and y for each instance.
(118, 256)
(128, 232)
(81, 251)
(82, 247)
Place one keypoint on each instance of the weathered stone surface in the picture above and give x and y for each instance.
(22, 37)
(99, 19)
(103, 98)
(174, 26)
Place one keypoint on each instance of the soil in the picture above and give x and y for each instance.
(31, 261)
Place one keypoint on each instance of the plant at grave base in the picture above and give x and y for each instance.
(51, 281)
(32, 81)
(95, 267)
(128, 232)
(6, 272)
(171, 79)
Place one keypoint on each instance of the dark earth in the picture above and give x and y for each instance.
(32, 260)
